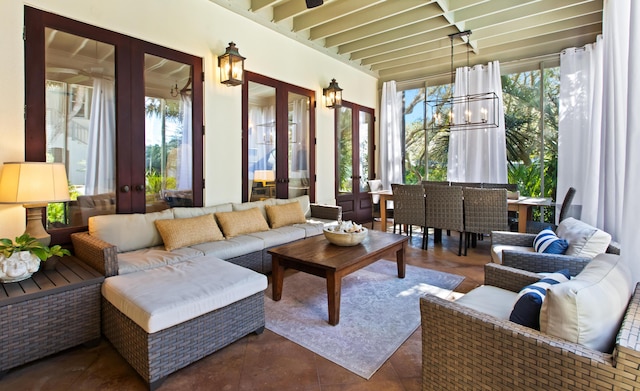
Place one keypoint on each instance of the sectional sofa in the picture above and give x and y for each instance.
(184, 282)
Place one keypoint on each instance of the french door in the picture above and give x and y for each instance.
(354, 160)
(123, 115)
(278, 139)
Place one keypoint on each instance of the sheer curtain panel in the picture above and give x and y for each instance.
(390, 135)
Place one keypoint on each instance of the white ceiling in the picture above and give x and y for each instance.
(407, 40)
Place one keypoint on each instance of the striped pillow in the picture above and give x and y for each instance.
(547, 242)
(526, 310)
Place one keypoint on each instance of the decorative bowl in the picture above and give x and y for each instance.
(345, 239)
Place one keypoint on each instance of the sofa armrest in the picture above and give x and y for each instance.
(614, 248)
(327, 212)
(507, 277)
(512, 238)
(628, 340)
(96, 253)
(542, 262)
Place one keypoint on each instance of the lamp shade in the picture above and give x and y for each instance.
(33, 183)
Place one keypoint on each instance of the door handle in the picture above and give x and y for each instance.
(140, 188)
(125, 189)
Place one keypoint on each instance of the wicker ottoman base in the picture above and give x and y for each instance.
(156, 355)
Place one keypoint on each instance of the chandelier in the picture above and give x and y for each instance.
(470, 111)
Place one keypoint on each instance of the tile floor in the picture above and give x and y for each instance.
(257, 362)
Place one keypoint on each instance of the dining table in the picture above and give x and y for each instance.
(523, 205)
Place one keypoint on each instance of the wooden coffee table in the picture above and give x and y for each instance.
(319, 257)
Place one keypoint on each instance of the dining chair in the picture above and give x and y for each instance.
(444, 210)
(485, 210)
(511, 188)
(534, 227)
(409, 208)
(376, 185)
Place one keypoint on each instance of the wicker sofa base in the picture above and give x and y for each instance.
(156, 355)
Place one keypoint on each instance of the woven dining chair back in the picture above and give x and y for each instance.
(444, 209)
(508, 186)
(409, 207)
(485, 210)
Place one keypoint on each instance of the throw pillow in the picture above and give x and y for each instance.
(526, 310)
(547, 242)
(241, 222)
(178, 233)
(589, 309)
(285, 214)
(584, 239)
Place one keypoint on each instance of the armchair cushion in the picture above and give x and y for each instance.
(489, 300)
(589, 308)
(547, 242)
(584, 239)
(526, 309)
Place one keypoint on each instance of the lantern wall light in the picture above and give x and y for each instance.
(231, 65)
(332, 95)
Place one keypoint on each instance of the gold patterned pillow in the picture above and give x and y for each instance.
(285, 214)
(177, 233)
(241, 222)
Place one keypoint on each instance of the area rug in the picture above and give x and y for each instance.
(378, 312)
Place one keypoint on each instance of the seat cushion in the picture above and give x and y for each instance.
(159, 298)
(584, 239)
(526, 309)
(490, 300)
(150, 257)
(231, 247)
(589, 308)
(496, 251)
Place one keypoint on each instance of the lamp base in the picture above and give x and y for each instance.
(34, 223)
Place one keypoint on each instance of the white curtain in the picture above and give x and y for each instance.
(261, 136)
(185, 173)
(478, 155)
(580, 127)
(299, 131)
(391, 135)
(101, 148)
(599, 155)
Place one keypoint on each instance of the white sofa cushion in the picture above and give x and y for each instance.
(231, 247)
(496, 251)
(159, 298)
(589, 308)
(240, 206)
(490, 300)
(584, 239)
(129, 231)
(183, 212)
(147, 258)
(278, 236)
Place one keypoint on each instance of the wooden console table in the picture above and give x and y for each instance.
(49, 312)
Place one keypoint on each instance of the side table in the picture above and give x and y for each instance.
(49, 312)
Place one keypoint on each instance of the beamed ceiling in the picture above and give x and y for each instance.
(407, 40)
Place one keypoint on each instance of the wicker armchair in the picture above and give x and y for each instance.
(444, 210)
(533, 261)
(463, 349)
(408, 205)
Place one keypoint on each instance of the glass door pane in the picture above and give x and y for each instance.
(168, 133)
(298, 145)
(81, 124)
(365, 129)
(345, 150)
(262, 141)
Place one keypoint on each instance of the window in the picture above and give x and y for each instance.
(123, 115)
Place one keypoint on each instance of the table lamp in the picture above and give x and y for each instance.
(34, 185)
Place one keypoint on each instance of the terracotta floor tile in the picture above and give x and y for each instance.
(257, 362)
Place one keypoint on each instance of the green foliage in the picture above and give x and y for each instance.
(156, 183)
(56, 211)
(26, 242)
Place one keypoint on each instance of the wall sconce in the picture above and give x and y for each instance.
(231, 65)
(332, 95)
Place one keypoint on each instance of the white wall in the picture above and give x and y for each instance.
(203, 29)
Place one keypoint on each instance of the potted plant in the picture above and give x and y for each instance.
(21, 258)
